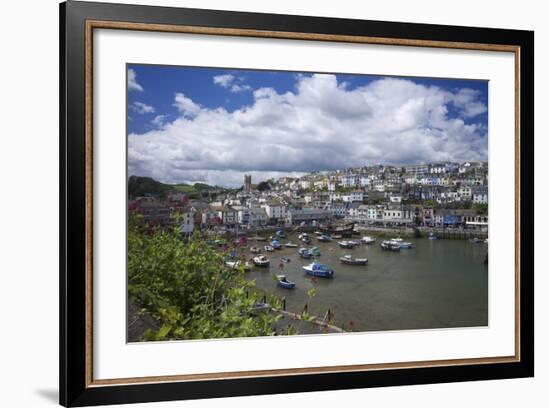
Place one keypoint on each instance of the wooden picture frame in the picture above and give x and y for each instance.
(77, 22)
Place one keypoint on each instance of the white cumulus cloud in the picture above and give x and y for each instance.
(142, 108)
(322, 125)
(234, 84)
(132, 82)
(185, 105)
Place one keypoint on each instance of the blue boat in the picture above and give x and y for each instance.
(276, 244)
(304, 253)
(281, 234)
(284, 283)
(318, 270)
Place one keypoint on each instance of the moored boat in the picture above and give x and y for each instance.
(345, 229)
(280, 234)
(390, 246)
(432, 236)
(259, 238)
(284, 283)
(315, 251)
(347, 244)
(254, 250)
(268, 248)
(349, 260)
(324, 238)
(306, 239)
(318, 270)
(260, 260)
(304, 253)
(476, 240)
(276, 244)
(237, 265)
(285, 259)
(368, 240)
(291, 245)
(402, 244)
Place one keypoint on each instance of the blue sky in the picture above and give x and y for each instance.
(188, 124)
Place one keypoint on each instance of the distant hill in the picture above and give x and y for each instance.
(140, 186)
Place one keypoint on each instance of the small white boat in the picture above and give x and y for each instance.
(324, 238)
(255, 250)
(486, 240)
(291, 245)
(368, 240)
(260, 260)
(268, 248)
(237, 265)
(349, 260)
(432, 236)
(402, 244)
(390, 246)
(348, 244)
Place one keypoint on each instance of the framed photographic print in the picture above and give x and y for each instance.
(255, 203)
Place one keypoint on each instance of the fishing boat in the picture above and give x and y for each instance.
(268, 248)
(324, 238)
(291, 245)
(281, 234)
(318, 270)
(260, 260)
(304, 253)
(284, 283)
(315, 251)
(345, 229)
(285, 259)
(432, 236)
(368, 240)
(402, 244)
(276, 244)
(254, 250)
(349, 260)
(390, 246)
(346, 244)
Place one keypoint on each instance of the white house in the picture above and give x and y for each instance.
(275, 210)
(186, 222)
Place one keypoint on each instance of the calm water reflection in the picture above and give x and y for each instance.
(436, 284)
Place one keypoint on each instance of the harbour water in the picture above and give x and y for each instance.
(435, 284)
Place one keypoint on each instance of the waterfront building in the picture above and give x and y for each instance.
(257, 217)
(275, 210)
(306, 215)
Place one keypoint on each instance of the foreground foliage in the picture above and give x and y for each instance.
(187, 289)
